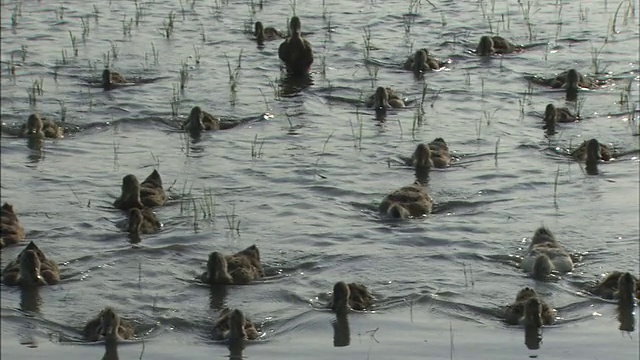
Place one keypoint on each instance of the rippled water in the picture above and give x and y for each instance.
(308, 199)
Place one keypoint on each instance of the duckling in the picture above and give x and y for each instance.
(200, 120)
(233, 326)
(490, 45)
(239, 268)
(545, 255)
(263, 34)
(36, 124)
(421, 158)
(421, 61)
(111, 78)
(352, 296)
(408, 201)
(385, 98)
(148, 194)
(31, 268)
(296, 51)
(11, 231)
(143, 221)
(529, 310)
(610, 287)
(108, 324)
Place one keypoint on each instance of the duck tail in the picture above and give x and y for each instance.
(542, 267)
(397, 211)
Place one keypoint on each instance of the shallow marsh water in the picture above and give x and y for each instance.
(308, 200)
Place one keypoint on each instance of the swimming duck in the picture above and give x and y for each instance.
(545, 255)
(107, 323)
(490, 45)
(200, 120)
(554, 115)
(421, 158)
(296, 51)
(421, 61)
(437, 152)
(570, 80)
(239, 268)
(11, 231)
(529, 310)
(111, 78)
(148, 194)
(234, 327)
(616, 284)
(408, 201)
(385, 98)
(143, 221)
(31, 268)
(352, 296)
(36, 124)
(263, 34)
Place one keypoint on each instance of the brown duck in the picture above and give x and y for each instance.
(489, 45)
(36, 124)
(408, 201)
(111, 79)
(296, 51)
(268, 33)
(349, 296)
(11, 231)
(529, 310)
(107, 324)
(31, 269)
(136, 195)
(239, 268)
(234, 327)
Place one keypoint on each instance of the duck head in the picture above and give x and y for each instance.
(217, 269)
(195, 124)
(131, 190)
(422, 156)
(106, 79)
(420, 58)
(30, 269)
(542, 235)
(109, 322)
(485, 46)
(295, 26)
(34, 124)
(135, 220)
(550, 116)
(381, 98)
(7, 209)
(340, 299)
(572, 79)
(626, 289)
(526, 293)
(258, 31)
(236, 326)
(593, 156)
(533, 313)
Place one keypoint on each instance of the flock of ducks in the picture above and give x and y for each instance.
(543, 258)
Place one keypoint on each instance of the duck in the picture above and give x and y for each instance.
(240, 268)
(489, 45)
(296, 52)
(233, 326)
(200, 120)
(422, 61)
(529, 310)
(616, 285)
(111, 79)
(143, 221)
(545, 255)
(554, 115)
(581, 152)
(37, 125)
(11, 231)
(570, 80)
(436, 152)
(134, 194)
(108, 324)
(408, 201)
(385, 98)
(31, 269)
(263, 34)
(349, 296)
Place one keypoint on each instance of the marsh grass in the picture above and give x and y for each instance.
(63, 110)
(625, 93)
(203, 36)
(175, 101)
(583, 13)
(126, 26)
(184, 74)
(357, 138)
(167, 25)
(114, 49)
(596, 61)
(232, 222)
(256, 147)
(525, 9)
(85, 28)
(156, 54)
(324, 148)
(366, 38)
(372, 70)
(495, 154)
(74, 43)
(555, 187)
(234, 76)
(275, 86)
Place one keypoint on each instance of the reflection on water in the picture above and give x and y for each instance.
(341, 331)
(30, 299)
(217, 296)
(111, 348)
(626, 317)
(532, 337)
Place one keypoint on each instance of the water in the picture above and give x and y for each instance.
(308, 200)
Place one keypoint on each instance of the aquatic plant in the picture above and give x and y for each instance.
(256, 149)
(357, 138)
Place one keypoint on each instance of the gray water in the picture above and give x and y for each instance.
(308, 198)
